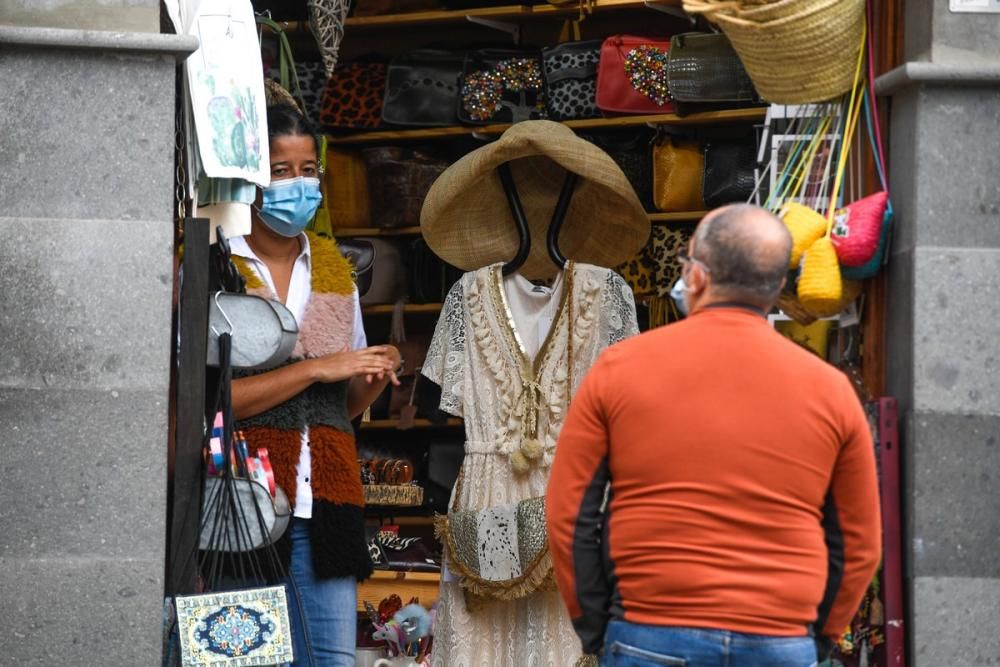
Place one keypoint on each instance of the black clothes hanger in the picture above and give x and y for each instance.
(523, 232)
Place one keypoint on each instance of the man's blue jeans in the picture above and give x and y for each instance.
(329, 605)
(634, 645)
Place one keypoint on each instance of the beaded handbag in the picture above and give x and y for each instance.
(501, 86)
(632, 75)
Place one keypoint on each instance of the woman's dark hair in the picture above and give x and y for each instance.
(285, 120)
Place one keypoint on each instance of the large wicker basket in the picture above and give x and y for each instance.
(796, 51)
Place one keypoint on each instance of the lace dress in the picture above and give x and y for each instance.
(506, 395)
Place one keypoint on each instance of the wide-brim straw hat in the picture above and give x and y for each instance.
(467, 221)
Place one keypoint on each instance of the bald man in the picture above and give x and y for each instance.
(713, 499)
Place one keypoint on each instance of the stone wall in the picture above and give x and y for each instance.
(86, 235)
(944, 327)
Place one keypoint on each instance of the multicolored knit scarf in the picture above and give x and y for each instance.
(337, 528)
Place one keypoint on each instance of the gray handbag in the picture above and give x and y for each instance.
(388, 274)
(263, 331)
(243, 519)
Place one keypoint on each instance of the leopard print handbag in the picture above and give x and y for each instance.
(664, 245)
(571, 79)
(352, 98)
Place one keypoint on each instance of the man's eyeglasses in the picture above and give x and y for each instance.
(685, 258)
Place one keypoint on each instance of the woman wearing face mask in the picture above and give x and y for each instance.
(301, 411)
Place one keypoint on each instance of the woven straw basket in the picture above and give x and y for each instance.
(796, 51)
(805, 225)
(821, 288)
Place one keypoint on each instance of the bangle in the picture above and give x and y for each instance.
(383, 471)
(405, 473)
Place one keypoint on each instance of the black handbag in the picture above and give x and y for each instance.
(704, 67)
(571, 79)
(729, 172)
(361, 254)
(422, 88)
(632, 151)
(501, 86)
(430, 277)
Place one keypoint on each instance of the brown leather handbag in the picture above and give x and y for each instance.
(398, 181)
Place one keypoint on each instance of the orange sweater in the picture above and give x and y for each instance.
(743, 486)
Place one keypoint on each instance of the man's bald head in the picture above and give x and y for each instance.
(747, 250)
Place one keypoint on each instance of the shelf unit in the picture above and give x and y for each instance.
(727, 116)
(385, 424)
(383, 583)
(508, 13)
(345, 232)
(677, 216)
(408, 309)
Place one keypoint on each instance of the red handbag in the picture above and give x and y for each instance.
(857, 228)
(632, 75)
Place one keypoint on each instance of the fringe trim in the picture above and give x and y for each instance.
(331, 271)
(537, 576)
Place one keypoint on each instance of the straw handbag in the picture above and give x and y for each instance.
(346, 181)
(857, 229)
(796, 51)
(805, 226)
(820, 286)
(861, 229)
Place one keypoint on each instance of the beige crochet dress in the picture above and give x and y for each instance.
(502, 356)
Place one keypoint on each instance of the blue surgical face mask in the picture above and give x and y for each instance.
(678, 293)
(287, 206)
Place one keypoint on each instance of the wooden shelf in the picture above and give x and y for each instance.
(386, 309)
(512, 12)
(436, 17)
(386, 515)
(342, 232)
(383, 583)
(678, 216)
(417, 423)
(618, 122)
(599, 6)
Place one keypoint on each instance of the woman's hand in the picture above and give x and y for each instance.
(393, 353)
(370, 362)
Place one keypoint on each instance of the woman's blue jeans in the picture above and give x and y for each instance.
(634, 645)
(329, 606)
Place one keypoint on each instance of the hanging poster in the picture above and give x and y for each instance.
(226, 84)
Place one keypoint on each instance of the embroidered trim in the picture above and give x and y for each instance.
(560, 393)
(494, 362)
